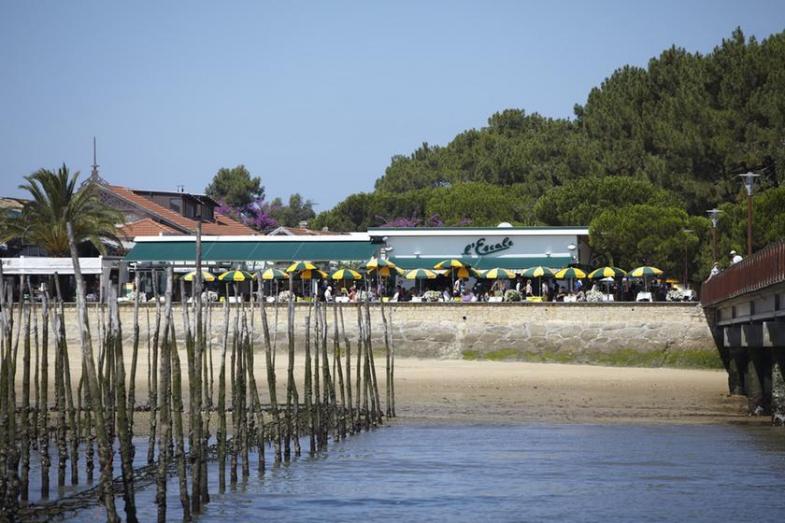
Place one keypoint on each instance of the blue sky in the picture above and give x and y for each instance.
(313, 97)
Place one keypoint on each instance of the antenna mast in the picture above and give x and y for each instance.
(94, 176)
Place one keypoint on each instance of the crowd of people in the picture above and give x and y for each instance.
(481, 290)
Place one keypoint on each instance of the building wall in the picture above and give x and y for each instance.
(634, 334)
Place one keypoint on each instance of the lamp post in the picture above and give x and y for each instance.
(686, 233)
(571, 247)
(714, 215)
(749, 181)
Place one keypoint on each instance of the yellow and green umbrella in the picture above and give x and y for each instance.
(645, 271)
(310, 274)
(378, 263)
(607, 272)
(538, 272)
(346, 274)
(450, 264)
(206, 276)
(385, 272)
(300, 266)
(235, 276)
(570, 273)
(273, 274)
(498, 274)
(420, 274)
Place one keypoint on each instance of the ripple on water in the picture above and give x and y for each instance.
(517, 473)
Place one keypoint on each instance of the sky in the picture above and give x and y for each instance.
(313, 97)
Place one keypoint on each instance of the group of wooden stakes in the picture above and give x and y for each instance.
(96, 411)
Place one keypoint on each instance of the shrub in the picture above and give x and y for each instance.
(512, 295)
(432, 296)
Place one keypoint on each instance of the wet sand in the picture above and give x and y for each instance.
(482, 391)
(458, 391)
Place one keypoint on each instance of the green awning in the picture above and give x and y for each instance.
(240, 251)
(487, 262)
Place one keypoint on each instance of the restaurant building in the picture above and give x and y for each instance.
(485, 248)
(482, 248)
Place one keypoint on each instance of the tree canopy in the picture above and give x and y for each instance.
(235, 187)
(650, 150)
(676, 132)
(55, 201)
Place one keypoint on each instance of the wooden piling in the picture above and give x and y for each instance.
(105, 445)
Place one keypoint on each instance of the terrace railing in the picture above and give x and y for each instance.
(763, 269)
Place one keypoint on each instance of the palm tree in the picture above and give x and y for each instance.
(55, 201)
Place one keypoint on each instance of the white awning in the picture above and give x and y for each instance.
(42, 266)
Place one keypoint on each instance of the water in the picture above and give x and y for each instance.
(516, 473)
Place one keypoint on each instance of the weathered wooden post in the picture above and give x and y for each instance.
(778, 386)
(164, 403)
(105, 445)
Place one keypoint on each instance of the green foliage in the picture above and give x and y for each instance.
(54, 202)
(298, 210)
(235, 187)
(582, 200)
(644, 234)
(650, 150)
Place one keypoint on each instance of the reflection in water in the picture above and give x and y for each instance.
(514, 473)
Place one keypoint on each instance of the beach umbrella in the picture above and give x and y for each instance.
(378, 263)
(450, 264)
(382, 267)
(538, 272)
(570, 273)
(498, 274)
(235, 276)
(454, 265)
(385, 272)
(310, 274)
(420, 274)
(300, 266)
(206, 276)
(607, 272)
(644, 272)
(274, 274)
(465, 272)
(346, 274)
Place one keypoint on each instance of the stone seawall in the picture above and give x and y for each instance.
(649, 334)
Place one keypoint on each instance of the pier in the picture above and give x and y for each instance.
(745, 308)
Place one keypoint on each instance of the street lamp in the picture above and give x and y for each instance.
(749, 181)
(714, 215)
(686, 232)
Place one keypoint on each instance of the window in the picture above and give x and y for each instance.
(175, 204)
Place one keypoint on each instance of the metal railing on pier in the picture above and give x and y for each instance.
(763, 269)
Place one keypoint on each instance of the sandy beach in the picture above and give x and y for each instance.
(460, 391)
(499, 392)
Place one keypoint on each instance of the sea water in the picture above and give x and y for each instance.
(534, 472)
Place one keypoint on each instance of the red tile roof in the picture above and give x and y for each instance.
(144, 227)
(223, 225)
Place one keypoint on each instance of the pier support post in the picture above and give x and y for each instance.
(778, 386)
(737, 364)
(753, 383)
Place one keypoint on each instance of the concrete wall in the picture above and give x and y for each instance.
(623, 334)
